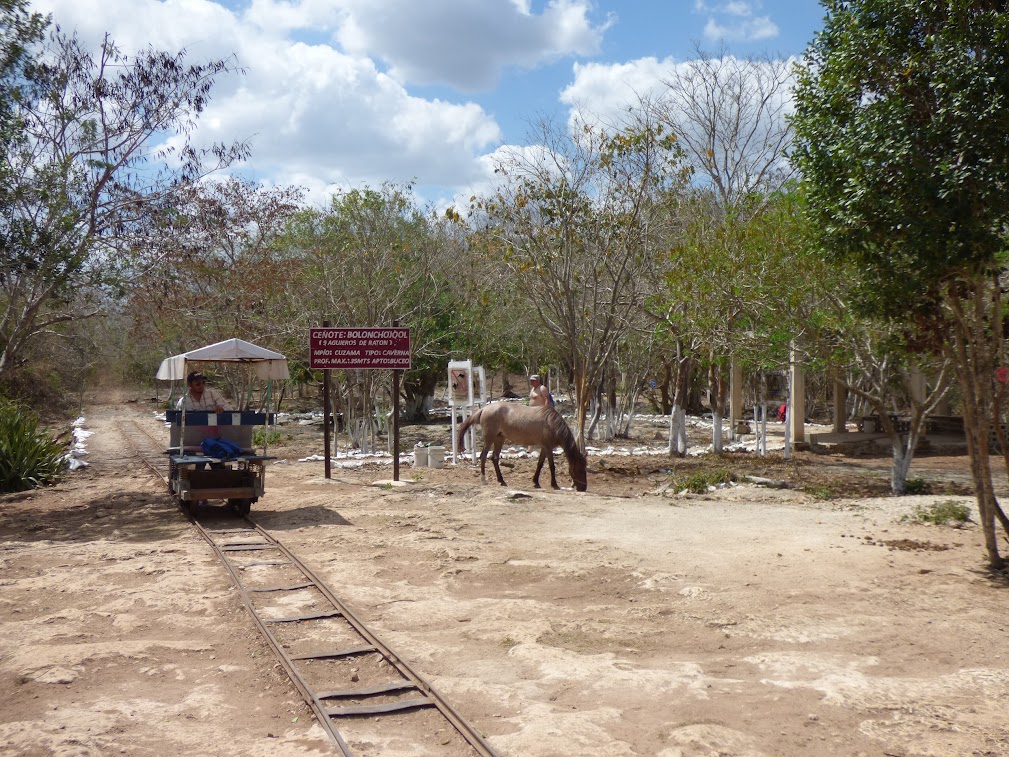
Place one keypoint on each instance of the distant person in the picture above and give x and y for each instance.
(199, 396)
(783, 412)
(539, 395)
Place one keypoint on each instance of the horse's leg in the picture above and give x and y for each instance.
(553, 473)
(539, 467)
(498, 444)
(483, 464)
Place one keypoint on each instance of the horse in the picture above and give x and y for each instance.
(521, 424)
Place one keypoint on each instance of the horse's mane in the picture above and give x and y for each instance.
(563, 434)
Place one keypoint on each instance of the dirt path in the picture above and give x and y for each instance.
(747, 621)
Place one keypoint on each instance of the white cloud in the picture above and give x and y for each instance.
(465, 44)
(736, 21)
(738, 8)
(606, 91)
(731, 8)
(750, 30)
(311, 112)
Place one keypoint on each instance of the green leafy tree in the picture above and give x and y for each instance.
(875, 360)
(374, 258)
(492, 317)
(20, 31)
(729, 116)
(902, 125)
(736, 282)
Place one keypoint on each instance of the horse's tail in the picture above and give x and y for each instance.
(465, 427)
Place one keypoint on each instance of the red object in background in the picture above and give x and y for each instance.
(782, 413)
(1002, 374)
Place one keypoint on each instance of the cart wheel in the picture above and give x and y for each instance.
(241, 506)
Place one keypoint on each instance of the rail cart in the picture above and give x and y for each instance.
(194, 477)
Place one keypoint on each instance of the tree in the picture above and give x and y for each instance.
(873, 359)
(87, 163)
(729, 116)
(736, 284)
(902, 126)
(374, 258)
(207, 268)
(571, 222)
(20, 30)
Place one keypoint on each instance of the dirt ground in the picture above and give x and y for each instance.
(632, 619)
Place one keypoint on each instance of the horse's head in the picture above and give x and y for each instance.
(577, 468)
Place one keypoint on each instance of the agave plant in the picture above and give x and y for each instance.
(29, 457)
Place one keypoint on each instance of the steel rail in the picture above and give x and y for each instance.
(306, 692)
(467, 731)
(412, 680)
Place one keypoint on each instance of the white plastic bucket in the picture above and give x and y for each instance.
(420, 457)
(436, 457)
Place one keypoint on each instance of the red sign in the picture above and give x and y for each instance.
(359, 348)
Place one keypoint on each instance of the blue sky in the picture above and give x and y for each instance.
(343, 93)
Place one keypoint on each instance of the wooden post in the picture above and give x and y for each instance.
(395, 419)
(327, 415)
(395, 424)
(840, 403)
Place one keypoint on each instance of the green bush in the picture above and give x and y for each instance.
(272, 437)
(943, 512)
(29, 457)
(916, 486)
(820, 491)
(698, 483)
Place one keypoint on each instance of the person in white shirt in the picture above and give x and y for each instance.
(201, 397)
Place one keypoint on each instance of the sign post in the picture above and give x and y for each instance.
(327, 414)
(362, 348)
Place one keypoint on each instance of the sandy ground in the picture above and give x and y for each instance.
(628, 620)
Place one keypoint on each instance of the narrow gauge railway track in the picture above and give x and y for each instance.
(342, 669)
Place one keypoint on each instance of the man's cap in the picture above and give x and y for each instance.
(193, 376)
(534, 377)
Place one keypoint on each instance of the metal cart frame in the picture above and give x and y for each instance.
(194, 477)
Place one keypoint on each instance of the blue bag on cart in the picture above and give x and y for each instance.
(222, 449)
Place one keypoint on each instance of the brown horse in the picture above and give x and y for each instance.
(521, 424)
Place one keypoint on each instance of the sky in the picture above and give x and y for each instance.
(342, 94)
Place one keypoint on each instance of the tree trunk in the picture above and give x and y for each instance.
(582, 400)
(969, 345)
(902, 456)
(596, 410)
(678, 413)
(418, 395)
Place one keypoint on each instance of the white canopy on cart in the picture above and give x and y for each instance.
(266, 363)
